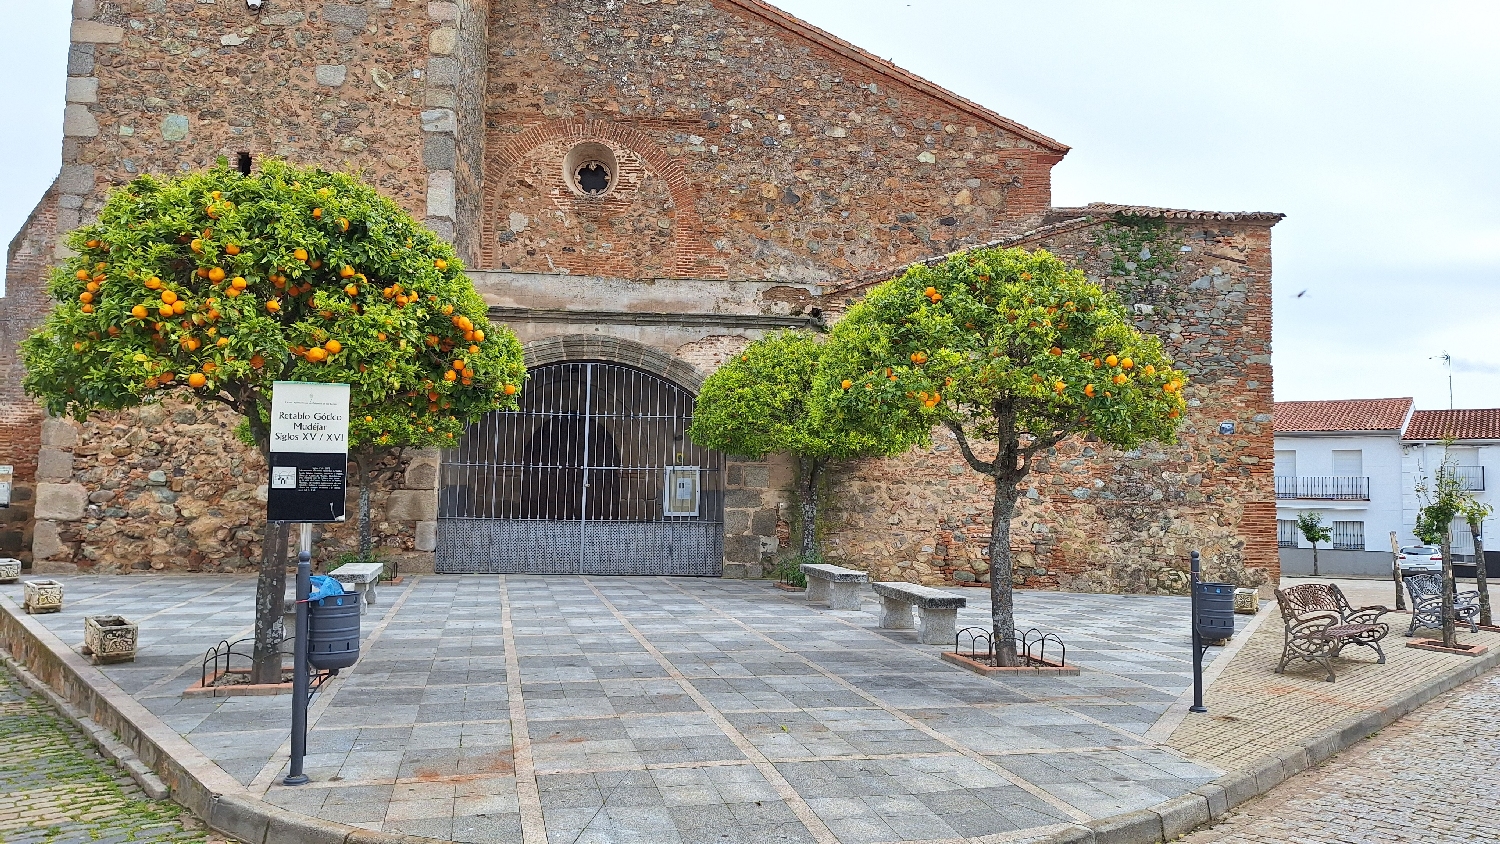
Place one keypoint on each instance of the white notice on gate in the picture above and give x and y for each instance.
(310, 418)
(680, 498)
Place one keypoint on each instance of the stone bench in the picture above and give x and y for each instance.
(834, 585)
(359, 577)
(938, 610)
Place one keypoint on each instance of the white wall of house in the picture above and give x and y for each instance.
(1315, 457)
(1420, 461)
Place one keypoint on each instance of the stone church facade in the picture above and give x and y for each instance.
(638, 188)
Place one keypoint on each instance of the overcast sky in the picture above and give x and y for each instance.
(1372, 125)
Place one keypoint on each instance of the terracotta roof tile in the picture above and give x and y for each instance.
(1482, 424)
(1340, 415)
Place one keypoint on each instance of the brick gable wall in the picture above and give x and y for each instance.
(21, 309)
(780, 157)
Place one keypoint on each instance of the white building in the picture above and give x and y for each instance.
(1475, 453)
(1342, 459)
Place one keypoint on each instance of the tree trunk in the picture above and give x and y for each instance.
(807, 482)
(1450, 633)
(362, 463)
(1315, 559)
(270, 591)
(1396, 573)
(1002, 594)
(1480, 579)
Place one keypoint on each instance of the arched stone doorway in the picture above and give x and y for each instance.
(594, 474)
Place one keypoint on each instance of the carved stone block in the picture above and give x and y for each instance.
(109, 638)
(43, 596)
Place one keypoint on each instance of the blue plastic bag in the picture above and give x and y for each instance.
(324, 586)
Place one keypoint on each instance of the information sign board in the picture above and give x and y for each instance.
(309, 452)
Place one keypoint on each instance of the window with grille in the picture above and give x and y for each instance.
(1461, 539)
(1286, 533)
(1349, 536)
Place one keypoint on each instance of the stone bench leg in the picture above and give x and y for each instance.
(938, 626)
(895, 614)
(845, 596)
(288, 625)
(368, 592)
(817, 590)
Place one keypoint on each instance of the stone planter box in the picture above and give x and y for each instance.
(43, 596)
(10, 569)
(109, 638)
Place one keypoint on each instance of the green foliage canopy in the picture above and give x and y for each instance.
(218, 284)
(1311, 526)
(995, 343)
(763, 401)
(1442, 502)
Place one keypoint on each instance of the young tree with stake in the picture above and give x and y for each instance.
(764, 401)
(1006, 348)
(1474, 513)
(217, 284)
(1311, 526)
(1442, 502)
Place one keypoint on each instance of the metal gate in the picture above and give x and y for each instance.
(594, 474)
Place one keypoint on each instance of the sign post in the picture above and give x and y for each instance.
(309, 479)
(1198, 646)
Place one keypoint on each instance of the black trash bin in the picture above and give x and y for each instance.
(333, 631)
(1215, 619)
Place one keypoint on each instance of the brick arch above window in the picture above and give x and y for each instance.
(504, 151)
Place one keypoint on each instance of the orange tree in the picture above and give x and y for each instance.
(216, 284)
(763, 401)
(1003, 347)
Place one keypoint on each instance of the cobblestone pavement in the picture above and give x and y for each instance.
(1254, 713)
(55, 788)
(1430, 777)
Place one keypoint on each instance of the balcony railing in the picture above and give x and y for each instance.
(1471, 477)
(1323, 488)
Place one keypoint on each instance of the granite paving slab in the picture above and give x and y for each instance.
(673, 710)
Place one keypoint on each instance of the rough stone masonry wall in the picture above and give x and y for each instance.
(157, 87)
(161, 87)
(168, 486)
(22, 308)
(1093, 518)
(753, 152)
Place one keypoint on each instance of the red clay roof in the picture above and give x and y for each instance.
(1483, 424)
(1340, 415)
(774, 16)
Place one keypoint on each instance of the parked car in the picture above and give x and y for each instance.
(1420, 559)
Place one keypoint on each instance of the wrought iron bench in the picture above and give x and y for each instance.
(1426, 591)
(835, 585)
(1319, 623)
(937, 609)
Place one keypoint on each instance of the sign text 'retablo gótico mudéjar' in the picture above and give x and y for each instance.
(309, 452)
